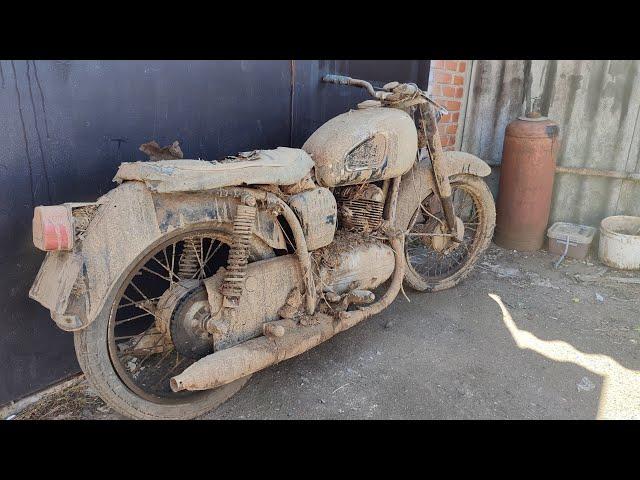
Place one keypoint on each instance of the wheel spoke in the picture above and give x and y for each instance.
(210, 256)
(168, 279)
(170, 271)
(120, 322)
(173, 260)
(151, 352)
(133, 284)
(136, 304)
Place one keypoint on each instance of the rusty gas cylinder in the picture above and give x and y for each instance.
(526, 182)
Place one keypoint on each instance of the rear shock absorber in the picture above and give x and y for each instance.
(234, 279)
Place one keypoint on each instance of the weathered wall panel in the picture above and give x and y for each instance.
(66, 125)
(596, 104)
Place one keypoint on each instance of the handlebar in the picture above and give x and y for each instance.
(401, 89)
(342, 80)
(337, 79)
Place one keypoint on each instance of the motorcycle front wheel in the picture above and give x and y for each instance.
(436, 261)
(122, 353)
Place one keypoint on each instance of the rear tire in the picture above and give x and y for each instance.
(483, 202)
(94, 359)
(96, 355)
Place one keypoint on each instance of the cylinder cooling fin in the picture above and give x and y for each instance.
(360, 207)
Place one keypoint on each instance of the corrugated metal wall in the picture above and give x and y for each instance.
(595, 102)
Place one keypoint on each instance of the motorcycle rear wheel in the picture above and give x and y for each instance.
(110, 376)
(435, 263)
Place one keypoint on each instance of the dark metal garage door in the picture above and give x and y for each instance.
(66, 125)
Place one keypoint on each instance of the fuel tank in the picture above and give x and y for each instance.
(526, 182)
(362, 146)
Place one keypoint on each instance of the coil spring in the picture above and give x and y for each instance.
(189, 266)
(239, 251)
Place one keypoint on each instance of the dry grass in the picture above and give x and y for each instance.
(71, 403)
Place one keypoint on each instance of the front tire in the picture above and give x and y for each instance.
(434, 263)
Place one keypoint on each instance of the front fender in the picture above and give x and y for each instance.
(130, 219)
(418, 182)
(463, 162)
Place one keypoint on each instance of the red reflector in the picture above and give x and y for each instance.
(52, 228)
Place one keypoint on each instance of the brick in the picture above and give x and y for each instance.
(438, 64)
(455, 117)
(452, 139)
(462, 66)
(451, 65)
(452, 128)
(443, 78)
(446, 118)
(459, 92)
(452, 105)
(445, 140)
(436, 90)
(458, 80)
(448, 91)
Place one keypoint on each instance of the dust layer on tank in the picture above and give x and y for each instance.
(363, 146)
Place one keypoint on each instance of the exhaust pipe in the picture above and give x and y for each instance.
(225, 366)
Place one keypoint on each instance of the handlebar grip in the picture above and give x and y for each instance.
(337, 79)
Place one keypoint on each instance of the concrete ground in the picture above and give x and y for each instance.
(544, 346)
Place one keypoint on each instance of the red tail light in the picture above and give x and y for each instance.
(53, 228)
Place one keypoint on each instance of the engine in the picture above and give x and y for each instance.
(353, 263)
(360, 207)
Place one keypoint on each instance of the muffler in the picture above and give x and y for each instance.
(227, 365)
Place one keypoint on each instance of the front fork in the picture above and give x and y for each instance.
(429, 137)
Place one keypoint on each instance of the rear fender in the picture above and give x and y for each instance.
(418, 182)
(75, 285)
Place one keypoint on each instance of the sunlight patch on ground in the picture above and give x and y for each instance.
(620, 396)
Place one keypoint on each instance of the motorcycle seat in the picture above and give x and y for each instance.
(281, 166)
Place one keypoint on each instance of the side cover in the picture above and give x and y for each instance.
(317, 211)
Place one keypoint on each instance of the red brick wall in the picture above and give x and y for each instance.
(447, 83)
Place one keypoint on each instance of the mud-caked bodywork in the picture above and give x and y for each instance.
(255, 258)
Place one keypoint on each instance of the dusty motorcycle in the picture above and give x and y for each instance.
(192, 275)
